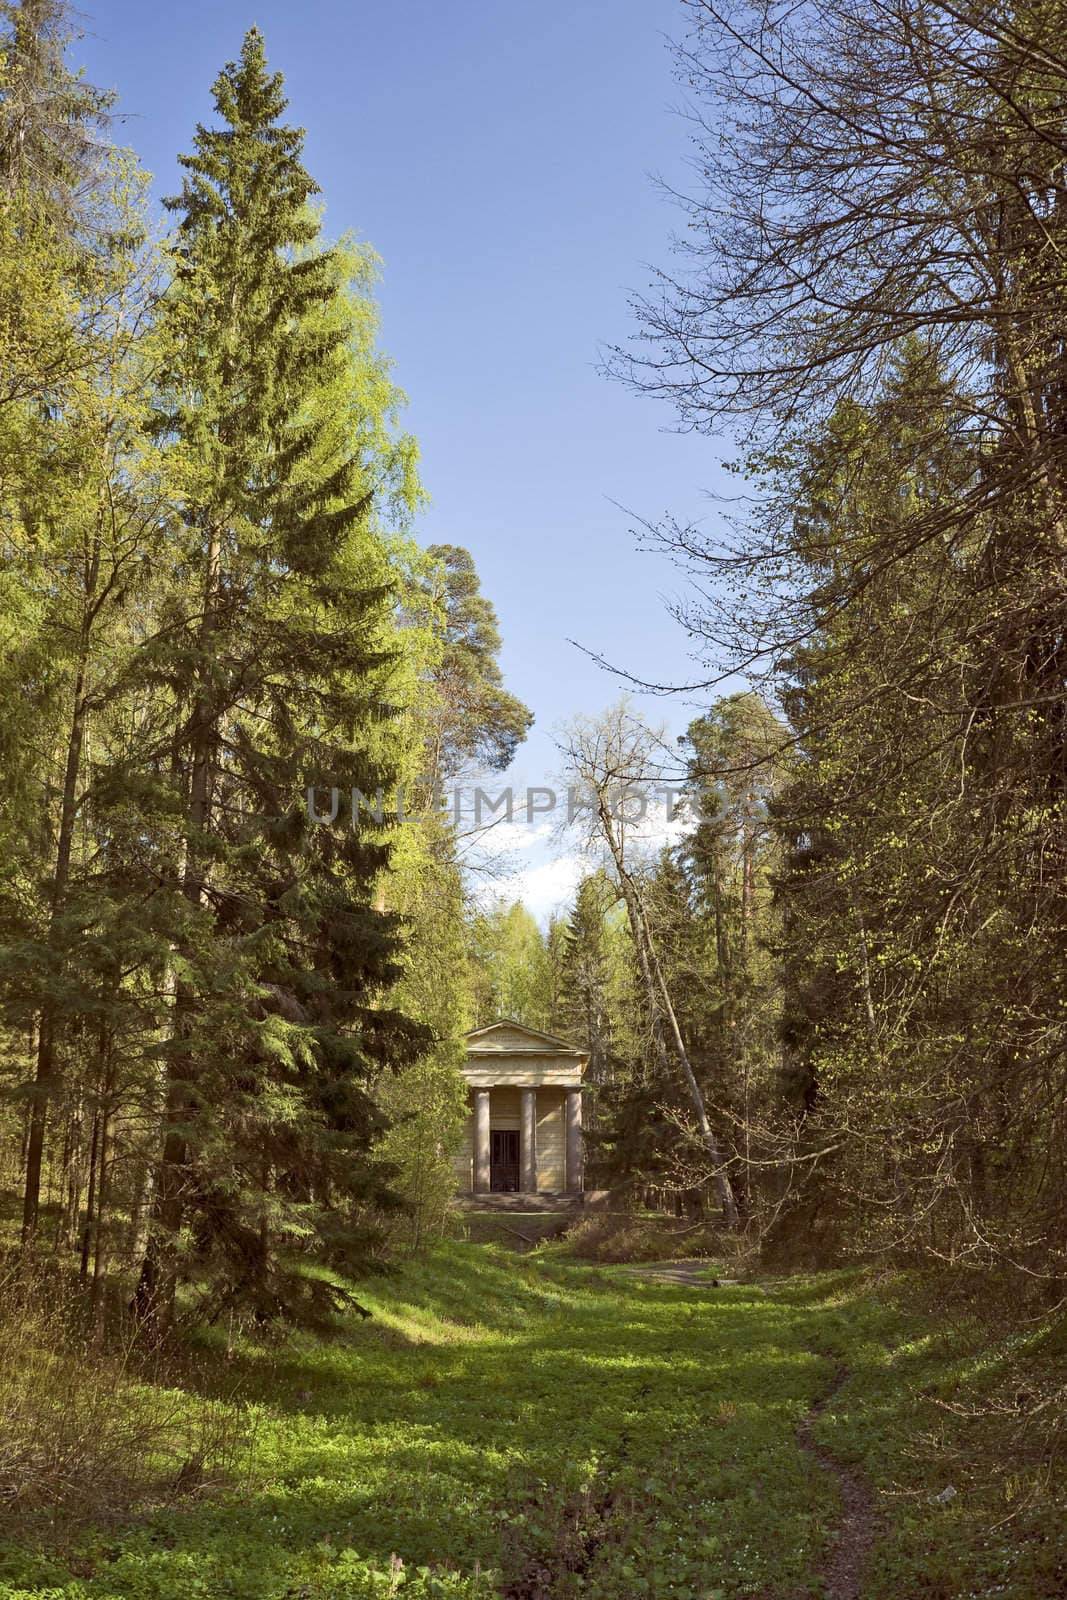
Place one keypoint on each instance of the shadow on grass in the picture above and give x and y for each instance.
(490, 1402)
(482, 1402)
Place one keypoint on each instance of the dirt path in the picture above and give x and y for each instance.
(842, 1571)
(857, 1527)
(689, 1273)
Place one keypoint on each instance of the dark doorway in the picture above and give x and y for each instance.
(503, 1161)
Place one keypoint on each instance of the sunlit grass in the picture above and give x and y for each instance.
(500, 1417)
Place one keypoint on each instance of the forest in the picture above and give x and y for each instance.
(824, 1003)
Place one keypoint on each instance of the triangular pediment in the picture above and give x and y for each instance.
(507, 1037)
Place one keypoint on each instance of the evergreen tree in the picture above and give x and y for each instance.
(89, 512)
(607, 756)
(588, 963)
(55, 215)
(75, 283)
(52, 123)
(474, 717)
(914, 825)
(280, 657)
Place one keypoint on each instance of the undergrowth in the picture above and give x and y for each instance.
(511, 1427)
(615, 1237)
(92, 1427)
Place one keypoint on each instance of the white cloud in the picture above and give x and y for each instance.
(549, 886)
(506, 836)
(542, 863)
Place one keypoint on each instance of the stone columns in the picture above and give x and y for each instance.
(575, 1176)
(481, 1141)
(528, 1142)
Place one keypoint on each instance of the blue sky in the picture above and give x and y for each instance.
(499, 159)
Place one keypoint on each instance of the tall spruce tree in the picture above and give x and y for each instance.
(588, 962)
(52, 123)
(279, 656)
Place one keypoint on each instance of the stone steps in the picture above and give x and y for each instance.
(529, 1203)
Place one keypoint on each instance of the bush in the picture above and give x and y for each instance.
(86, 1430)
(616, 1237)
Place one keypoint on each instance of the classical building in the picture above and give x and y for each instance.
(524, 1130)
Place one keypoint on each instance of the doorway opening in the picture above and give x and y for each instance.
(504, 1161)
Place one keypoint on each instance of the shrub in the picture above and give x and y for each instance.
(614, 1237)
(87, 1430)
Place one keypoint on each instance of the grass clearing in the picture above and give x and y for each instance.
(518, 1426)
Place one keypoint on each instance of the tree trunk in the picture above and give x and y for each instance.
(154, 1298)
(74, 1167)
(662, 1010)
(87, 1229)
(100, 1220)
(45, 1084)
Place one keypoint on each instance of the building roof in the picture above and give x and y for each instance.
(507, 1037)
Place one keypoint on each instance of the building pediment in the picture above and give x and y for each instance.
(514, 1038)
(507, 1052)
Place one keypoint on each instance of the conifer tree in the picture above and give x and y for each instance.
(54, 159)
(279, 658)
(476, 719)
(588, 977)
(74, 282)
(52, 123)
(88, 515)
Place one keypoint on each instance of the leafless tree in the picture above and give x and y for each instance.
(612, 762)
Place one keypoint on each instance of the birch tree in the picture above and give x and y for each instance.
(612, 762)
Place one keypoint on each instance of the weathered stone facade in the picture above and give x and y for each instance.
(524, 1130)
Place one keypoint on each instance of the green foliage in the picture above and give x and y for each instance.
(89, 1423)
(512, 967)
(426, 1098)
(228, 1036)
(279, 656)
(475, 718)
(502, 1418)
(51, 120)
(708, 904)
(495, 1416)
(919, 1023)
(597, 1002)
(884, 310)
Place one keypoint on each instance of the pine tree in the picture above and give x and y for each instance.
(476, 718)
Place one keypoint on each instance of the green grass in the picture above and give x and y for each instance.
(515, 1424)
(933, 1406)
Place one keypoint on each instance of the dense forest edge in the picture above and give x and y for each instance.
(823, 992)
